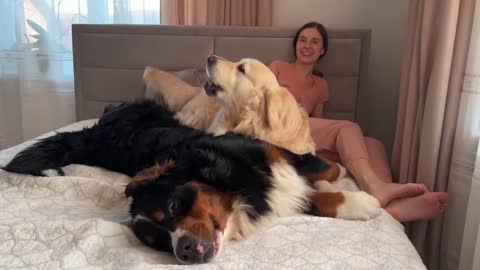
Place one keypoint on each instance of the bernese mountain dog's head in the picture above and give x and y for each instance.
(181, 216)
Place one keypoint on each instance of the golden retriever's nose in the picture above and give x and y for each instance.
(212, 59)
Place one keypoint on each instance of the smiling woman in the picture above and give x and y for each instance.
(343, 140)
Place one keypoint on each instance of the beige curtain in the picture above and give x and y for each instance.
(217, 12)
(431, 81)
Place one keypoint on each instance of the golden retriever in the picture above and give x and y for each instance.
(255, 104)
(243, 97)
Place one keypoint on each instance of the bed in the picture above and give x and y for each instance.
(80, 220)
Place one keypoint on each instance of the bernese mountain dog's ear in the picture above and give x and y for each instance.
(146, 176)
(134, 188)
(153, 172)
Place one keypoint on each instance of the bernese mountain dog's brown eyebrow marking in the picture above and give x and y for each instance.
(209, 212)
(159, 216)
(153, 172)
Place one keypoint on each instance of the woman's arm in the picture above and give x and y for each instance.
(322, 98)
(318, 110)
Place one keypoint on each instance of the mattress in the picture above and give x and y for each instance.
(81, 221)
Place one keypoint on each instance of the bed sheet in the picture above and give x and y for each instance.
(80, 221)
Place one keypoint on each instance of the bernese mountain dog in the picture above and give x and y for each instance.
(191, 190)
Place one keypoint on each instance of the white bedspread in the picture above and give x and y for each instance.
(80, 221)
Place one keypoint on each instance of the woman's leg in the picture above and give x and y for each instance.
(425, 206)
(346, 138)
(405, 202)
(378, 159)
(383, 191)
(376, 155)
(422, 207)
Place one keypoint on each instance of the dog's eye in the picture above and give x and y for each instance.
(241, 68)
(181, 201)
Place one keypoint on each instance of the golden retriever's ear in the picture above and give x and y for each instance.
(263, 109)
(280, 110)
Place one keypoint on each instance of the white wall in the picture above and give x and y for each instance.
(388, 21)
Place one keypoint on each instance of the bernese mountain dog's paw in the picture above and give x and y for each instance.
(350, 205)
(358, 206)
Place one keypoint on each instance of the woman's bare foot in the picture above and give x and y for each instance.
(385, 192)
(422, 207)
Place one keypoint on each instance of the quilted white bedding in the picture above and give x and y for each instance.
(80, 221)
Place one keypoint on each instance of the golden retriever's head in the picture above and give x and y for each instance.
(267, 110)
(237, 82)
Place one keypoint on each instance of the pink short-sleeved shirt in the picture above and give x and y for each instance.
(307, 96)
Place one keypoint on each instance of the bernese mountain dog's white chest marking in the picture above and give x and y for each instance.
(288, 196)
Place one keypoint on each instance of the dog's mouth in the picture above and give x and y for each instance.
(211, 88)
(215, 247)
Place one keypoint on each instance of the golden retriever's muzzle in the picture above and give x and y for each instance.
(210, 87)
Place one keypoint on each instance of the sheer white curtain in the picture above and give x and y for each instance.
(467, 148)
(461, 227)
(36, 83)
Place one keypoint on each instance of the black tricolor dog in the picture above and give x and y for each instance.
(190, 190)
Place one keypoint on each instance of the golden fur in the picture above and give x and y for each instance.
(192, 107)
(251, 103)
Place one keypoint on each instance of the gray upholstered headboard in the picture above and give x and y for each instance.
(109, 60)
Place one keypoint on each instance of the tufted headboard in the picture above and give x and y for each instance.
(109, 60)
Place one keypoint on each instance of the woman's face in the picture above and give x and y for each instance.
(309, 46)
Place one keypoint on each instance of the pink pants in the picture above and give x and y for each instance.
(343, 141)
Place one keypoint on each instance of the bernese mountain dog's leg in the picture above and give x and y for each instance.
(328, 201)
(336, 171)
(315, 168)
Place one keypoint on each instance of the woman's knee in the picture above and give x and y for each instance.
(347, 124)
